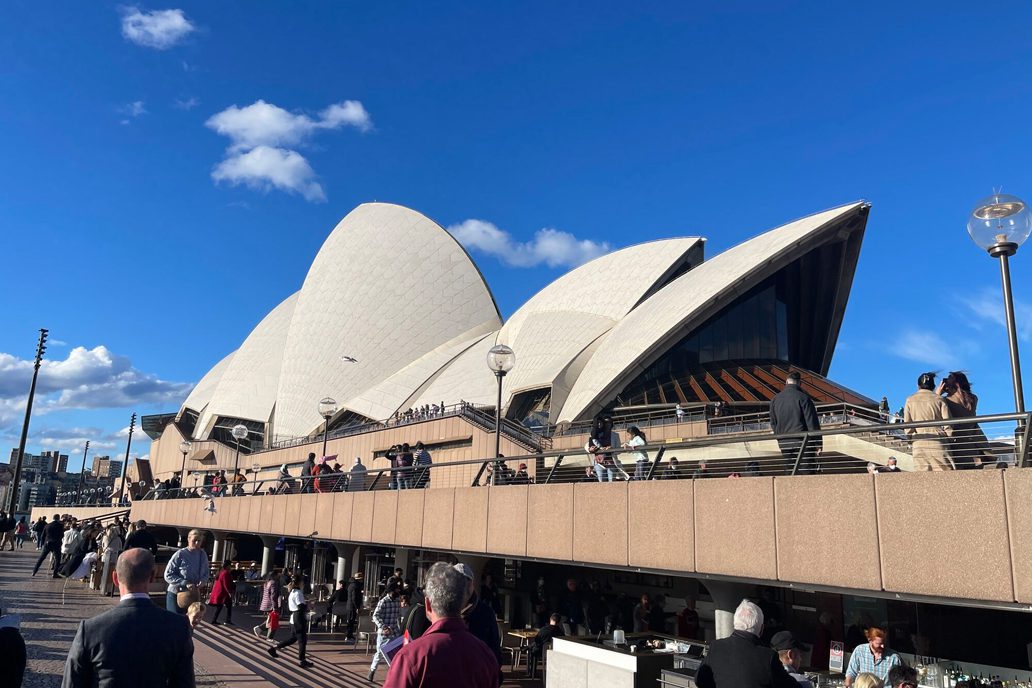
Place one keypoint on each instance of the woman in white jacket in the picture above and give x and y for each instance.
(71, 539)
(636, 438)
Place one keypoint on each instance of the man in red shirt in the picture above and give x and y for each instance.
(447, 655)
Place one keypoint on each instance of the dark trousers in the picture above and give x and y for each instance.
(49, 548)
(533, 656)
(351, 624)
(229, 612)
(299, 635)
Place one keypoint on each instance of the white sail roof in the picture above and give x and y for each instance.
(248, 386)
(690, 298)
(387, 287)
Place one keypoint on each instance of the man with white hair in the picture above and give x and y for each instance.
(741, 660)
(447, 655)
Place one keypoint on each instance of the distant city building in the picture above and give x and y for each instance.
(52, 461)
(106, 467)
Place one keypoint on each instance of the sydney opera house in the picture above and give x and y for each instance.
(394, 314)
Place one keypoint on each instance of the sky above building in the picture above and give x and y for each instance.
(171, 170)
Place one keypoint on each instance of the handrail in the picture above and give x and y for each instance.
(373, 477)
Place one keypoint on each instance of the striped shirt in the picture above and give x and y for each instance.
(862, 660)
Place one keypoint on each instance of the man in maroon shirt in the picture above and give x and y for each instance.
(447, 655)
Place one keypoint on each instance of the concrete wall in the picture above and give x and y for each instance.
(908, 533)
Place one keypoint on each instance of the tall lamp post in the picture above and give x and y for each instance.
(500, 359)
(239, 433)
(125, 466)
(184, 447)
(327, 407)
(1000, 224)
(41, 348)
(82, 472)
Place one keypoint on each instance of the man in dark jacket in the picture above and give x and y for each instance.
(118, 648)
(741, 661)
(792, 410)
(542, 642)
(141, 537)
(52, 537)
(352, 606)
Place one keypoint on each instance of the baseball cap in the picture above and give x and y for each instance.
(784, 640)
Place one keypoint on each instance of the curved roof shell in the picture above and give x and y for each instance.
(558, 322)
(247, 387)
(202, 392)
(387, 287)
(667, 315)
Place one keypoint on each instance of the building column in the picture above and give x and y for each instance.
(344, 553)
(726, 598)
(401, 559)
(216, 548)
(268, 552)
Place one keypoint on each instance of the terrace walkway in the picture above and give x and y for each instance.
(224, 656)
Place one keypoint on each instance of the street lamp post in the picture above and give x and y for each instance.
(255, 467)
(500, 359)
(125, 466)
(41, 348)
(999, 224)
(327, 407)
(184, 447)
(82, 471)
(239, 433)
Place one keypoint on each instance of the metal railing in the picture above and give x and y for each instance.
(995, 441)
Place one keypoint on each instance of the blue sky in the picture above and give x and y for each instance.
(171, 170)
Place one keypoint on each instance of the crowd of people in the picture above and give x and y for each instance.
(79, 550)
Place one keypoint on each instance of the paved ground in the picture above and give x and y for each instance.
(225, 656)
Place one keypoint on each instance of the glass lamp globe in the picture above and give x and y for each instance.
(255, 467)
(185, 445)
(239, 432)
(1000, 219)
(327, 407)
(501, 359)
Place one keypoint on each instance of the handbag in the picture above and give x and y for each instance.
(184, 598)
(272, 623)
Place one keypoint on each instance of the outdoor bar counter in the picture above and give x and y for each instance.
(599, 663)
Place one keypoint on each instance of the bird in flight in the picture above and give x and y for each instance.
(349, 359)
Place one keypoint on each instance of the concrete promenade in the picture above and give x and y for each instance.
(224, 656)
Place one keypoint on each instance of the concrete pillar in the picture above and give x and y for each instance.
(216, 549)
(268, 552)
(344, 553)
(401, 560)
(726, 598)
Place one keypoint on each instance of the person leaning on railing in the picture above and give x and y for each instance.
(928, 443)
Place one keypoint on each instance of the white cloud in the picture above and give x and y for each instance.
(263, 136)
(931, 349)
(185, 103)
(551, 247)
(985, 306)
(265, 124)
(158, 29)
(87, 379)
(267, 168)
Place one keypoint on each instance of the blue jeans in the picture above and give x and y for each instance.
(380, 640)
(601, 470)
(171, 604)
